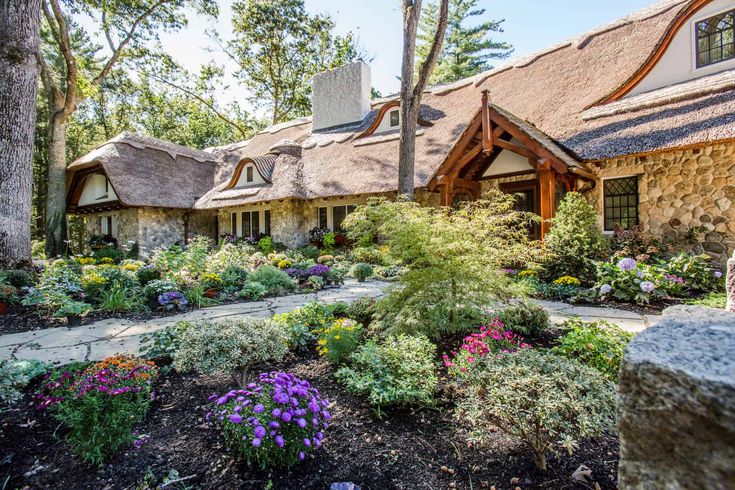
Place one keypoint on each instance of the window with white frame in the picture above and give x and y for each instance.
(620, 202)
(331, 217)
(250, 223)
(107, 225)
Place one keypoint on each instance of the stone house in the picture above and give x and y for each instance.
(639, 115)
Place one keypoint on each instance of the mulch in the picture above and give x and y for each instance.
(419, 449)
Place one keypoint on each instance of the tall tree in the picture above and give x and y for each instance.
(468, 48)
(20, 38)
(278, 48)
(411, 93)
(126, 25)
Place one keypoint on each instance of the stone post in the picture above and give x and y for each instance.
(730, 285)
(676, 403)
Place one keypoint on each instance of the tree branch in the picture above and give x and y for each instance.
(427, 67)
(60, 32)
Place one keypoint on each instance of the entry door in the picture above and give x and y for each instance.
(527, 200)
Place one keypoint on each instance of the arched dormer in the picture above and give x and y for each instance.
(698, 42)
(251, 172)
(388, 119)
(92, 190)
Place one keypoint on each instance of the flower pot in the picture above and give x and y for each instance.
(73, 320)
(210, 293)
(3, 308)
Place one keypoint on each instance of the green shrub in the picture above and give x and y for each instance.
(234, 278)
(67, 308)
(315, 282)
(308, 251)
(100, 405)
(527, 319)
(147, 273)
(120, 300)
(574, 241)
(253, 291)
(628, 280)
(599, 345)
(339, 340)
(367, 255)
(18, 278)
(534, 287)
(230, 347)
(362, 310)
(165, 342)
(361, 272)
(265, 245)
(339, 309)
(113, 253)
(275, 281)
(38, 249)
(713, 300)
(304, 324)
(196, 295)
(397, 372)
(547, 401)
(696, 270)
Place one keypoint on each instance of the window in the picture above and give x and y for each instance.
(233, 224)
(620, 202)
(250, 223)
(321, 218)
(249, 174)
(267, 221)
(106, 226)
(716, 39)
(107, 189)
(339, 213)
(395, 118)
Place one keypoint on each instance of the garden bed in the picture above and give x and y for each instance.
(404, 450)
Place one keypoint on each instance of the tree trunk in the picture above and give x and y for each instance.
(56, 194)
(20, 24)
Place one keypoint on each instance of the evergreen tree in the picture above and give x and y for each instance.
(467, 48)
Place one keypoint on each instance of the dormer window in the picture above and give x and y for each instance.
(395, 119)
(249, 174)
(716, 39)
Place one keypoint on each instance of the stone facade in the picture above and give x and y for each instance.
(682, 194)
(124, 228)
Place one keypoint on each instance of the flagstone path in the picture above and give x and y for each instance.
(104, 338)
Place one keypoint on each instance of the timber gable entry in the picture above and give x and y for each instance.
(491, 131)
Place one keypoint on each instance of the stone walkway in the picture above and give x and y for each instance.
(107, 337)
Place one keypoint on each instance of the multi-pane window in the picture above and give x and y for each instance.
(249, 173)
(321, 218)
(716, 39)
(233, 224)
(267, 222)
(395, 119)
(250, 223)
(106, 226)
(339, 213)
(620, 202)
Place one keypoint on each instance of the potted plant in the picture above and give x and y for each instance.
(73, 311)
(8, 295)
(316, 236)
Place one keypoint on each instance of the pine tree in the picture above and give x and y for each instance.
(467, 48)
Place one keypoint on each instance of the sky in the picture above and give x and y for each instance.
(530, 25)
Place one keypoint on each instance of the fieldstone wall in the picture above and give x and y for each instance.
(125, 225)
(163, 227)
(682, 193)
(676, 403)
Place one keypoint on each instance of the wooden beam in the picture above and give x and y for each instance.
(519, 150)
(466, 158)
(487, 132)
(547, 194)
(457, 150)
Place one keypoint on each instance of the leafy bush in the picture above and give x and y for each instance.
(339, 340)
(574, 241)
(69, 308)
(362, 310)
(534, 287)
(157, 287)
(253, 291)
(547, 401)
(695, 270)
(112, 254)
(636, 243)
(196, 295)
(491, 339)
(275, 281)
(527, 318)
(599, 345)
(229, 255)
(315, 282)
(101, 404)
(230, 347)
(165, 342)
(147, 273)
(234, 278)
(18, 278)
(304, 324)
(274, 422)
(361, 272)
(325, 259)
(8, 294)
(396, 372)
(265, 244)
(339, 309)
(567, 281)
(628, 280)
(452, 259)
(367, 255)
(119, 299)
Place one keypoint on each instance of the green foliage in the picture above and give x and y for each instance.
(164, 343)
(546, 401)
(159, 286)
(639, 284)
(147, 274)
(69, 308)
(339, 340)
(196, 295)
(362, 310)
(302, 325)
(367, 255)
(599, 345)
(453, 258)
(696, 270)
(14, 376)
(19, 278)
(361, 272)
(534, 287)
(636, 243)
(253, 291)
(713, 300)
(234, 277)
(111, 253)
(574, 241)
(397, 372)
(120, 300)
(230, 347)
(315, 282)
(527, 319)
(467, 48)
(339, 309)
(265, 245)
(275, 281)
(8, 293)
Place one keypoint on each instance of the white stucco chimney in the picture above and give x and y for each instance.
(341, 96)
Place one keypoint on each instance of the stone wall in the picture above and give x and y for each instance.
(676, 403)
(682, 193)
(125, 225)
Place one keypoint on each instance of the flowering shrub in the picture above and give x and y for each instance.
(339, 340)
(230, 346)
(567, 281)
(157, 287)
(396, 372)
(211, 280)
(527, 273)
(695, 271)
(276, 421)
(491, 339)
(599, 345)
(172, 299)
(547, 401)
(100, 404)
(525, 318)
(628, 280)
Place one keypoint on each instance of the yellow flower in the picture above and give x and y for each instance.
(567, 281)
(527, 273)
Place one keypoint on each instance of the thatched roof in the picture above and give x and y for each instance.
(552, 94)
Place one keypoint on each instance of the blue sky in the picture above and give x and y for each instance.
(529, 25)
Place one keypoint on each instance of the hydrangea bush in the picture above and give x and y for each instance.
(628, 280)
(273, 422)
